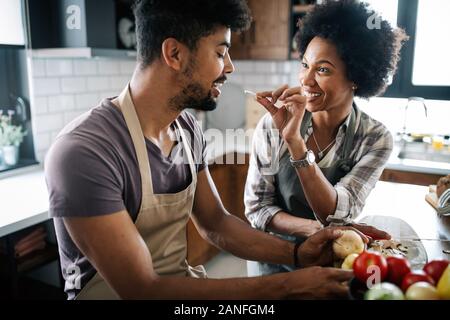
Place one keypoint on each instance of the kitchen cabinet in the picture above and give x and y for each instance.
(268, 36)
(81, 28)
(417, 178)
(272, 31)
(230, 182)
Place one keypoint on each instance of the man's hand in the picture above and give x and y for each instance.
(318, 283)
(317, 250)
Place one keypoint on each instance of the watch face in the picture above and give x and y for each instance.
(311, 157)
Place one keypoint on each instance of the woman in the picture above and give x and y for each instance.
(325, 155)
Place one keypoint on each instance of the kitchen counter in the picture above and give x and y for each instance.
(407, 202)
(24, 200)
(419, 166)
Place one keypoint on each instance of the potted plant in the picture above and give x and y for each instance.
(11, 136)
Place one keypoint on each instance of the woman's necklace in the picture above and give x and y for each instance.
(320, 153)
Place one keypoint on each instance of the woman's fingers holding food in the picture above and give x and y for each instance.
(289, 92)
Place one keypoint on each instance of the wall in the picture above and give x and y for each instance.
(64, 88)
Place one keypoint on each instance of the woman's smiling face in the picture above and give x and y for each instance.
(323, 77)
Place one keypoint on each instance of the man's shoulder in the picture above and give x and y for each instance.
(91, 132)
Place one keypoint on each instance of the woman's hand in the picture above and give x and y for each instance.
(288, 118)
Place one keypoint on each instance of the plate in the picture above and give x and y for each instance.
(398, 228)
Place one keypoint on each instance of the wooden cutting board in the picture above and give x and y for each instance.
(398, 228)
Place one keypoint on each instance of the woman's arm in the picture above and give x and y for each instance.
(347, 198)
(261, 208)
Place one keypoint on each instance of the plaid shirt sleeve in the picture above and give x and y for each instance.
(259, 195)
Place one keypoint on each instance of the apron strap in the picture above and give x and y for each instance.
(134, 127)
(188, 151)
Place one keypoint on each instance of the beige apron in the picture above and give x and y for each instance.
(162, 218)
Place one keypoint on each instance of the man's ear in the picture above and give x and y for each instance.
(173, 53)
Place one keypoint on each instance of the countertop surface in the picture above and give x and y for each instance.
(407, 202)
(24, 196)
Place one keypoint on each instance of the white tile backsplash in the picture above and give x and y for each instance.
(85, 101)
(108, 67)
(127, 67)
(96, 84)
(49, 122)
(58, 67)
(85, 67)
(46, 86)
(73, 85)
(61, 103)
(38, 68)
(65, 88)
(40, 106)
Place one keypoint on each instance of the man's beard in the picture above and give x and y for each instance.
(193, 95)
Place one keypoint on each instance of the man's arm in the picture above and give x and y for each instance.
(114, 247)
(230, 233)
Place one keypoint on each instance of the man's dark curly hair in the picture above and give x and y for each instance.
(185, 20)
(370, 54)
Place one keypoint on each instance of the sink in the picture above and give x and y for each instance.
(423, 151)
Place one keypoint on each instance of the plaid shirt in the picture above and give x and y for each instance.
(372, 147)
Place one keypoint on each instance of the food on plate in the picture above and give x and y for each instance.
(348, 261)
(349, 242)
(398, 267)
(421, 291)
(384, 291)
(370, 265)
(415, 276)
(389, 248)
(443, 287)
(436, 268)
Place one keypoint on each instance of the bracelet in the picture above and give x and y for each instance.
(296, 262)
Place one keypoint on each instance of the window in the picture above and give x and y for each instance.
(423, 69)
(431, 52)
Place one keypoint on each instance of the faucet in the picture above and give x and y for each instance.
(411, 99)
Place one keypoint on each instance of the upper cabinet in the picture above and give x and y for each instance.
(272, 32)
(267, 37)
(100, 26)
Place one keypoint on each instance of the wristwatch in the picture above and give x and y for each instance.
(307, 161)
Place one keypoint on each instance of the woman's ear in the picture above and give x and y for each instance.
(173, 53)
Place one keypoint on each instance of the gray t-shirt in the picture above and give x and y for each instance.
(92, 169)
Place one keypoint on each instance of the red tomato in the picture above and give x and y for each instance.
(398, 267)
(436, 268)
(365, 265)
(415, 276)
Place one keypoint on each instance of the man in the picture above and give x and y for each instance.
(122, 189)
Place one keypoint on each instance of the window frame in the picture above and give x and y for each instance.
(402, 86)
